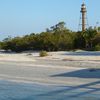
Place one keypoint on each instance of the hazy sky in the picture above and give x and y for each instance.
(19, 17)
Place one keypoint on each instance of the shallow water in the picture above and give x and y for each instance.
(26, 91)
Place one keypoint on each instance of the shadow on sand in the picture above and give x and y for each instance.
(88, 91)
(71, 91)
(83, 73)
(80, 92)
(84, 53)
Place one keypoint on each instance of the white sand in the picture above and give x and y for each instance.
(52, 55)
(69, 56)
(26, 67)
(59, 76)
(15, 57)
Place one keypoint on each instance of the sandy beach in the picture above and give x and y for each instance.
(40, 69)
(80, 70)
(31, 67)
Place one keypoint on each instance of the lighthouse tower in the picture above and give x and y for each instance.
(83, 12)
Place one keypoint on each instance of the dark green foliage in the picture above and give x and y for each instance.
(97, 47)
(89, 35)
(57, 38)
(96, 39)
(79, 41)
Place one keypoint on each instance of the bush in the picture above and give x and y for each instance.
(97, 47)
(43, 53)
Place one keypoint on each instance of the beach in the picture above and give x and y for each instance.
(60, 75)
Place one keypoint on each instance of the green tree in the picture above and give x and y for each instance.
(79, 41)
(89, 35)
(59, 27)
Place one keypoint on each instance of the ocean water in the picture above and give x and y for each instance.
(25, 91)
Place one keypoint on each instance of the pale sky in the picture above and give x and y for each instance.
(20, 17)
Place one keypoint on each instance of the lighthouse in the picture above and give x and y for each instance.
(83, 12)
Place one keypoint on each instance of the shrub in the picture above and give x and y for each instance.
(97, 47)
(43, 53)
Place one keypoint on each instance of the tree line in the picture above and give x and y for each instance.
(55, 38)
